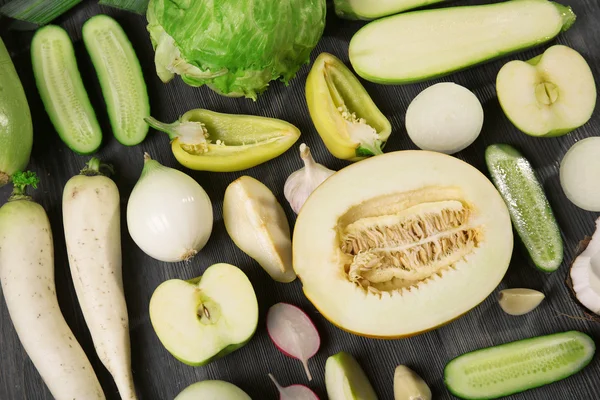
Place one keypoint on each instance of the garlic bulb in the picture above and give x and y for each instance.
(300, 184)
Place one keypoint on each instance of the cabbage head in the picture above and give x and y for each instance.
(236, 47)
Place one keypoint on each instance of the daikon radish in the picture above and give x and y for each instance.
(93, 237)
(27, 276)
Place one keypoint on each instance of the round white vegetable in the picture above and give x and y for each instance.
(579, 172)
(445, 117)
(169, 215)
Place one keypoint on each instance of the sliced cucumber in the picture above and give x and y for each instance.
(120, 77)
(518, 366)
(62, 91)
(422, 45)
(369, 9)
(527, 204)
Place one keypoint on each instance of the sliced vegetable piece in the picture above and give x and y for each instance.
(368, 9)
(209, 141)
(136, 6)
(38, 12)
(518, 366)
(345, 116)
(585, 274)
(519, 301)
(409, 386)
(28, 286)
(257, 224)
(579, 172)
(527, 204)
(62, 91)
(293, 332)
(16, 128)
(294, 392)
(120, 77)
(346, 380)
(441, 41)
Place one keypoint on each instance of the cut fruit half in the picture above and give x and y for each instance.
(420, 245)
(205, 318)
(346, 380)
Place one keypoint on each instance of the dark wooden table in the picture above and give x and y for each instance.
(158, 376)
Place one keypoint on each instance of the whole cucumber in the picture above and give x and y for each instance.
(16, 128)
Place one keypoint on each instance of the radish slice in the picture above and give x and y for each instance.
(292, 331)
(294, 392)
(579, 171)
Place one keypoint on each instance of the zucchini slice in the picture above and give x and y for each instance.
(369, 9)
(61, 89)
(121, 78)
(422, 45)
(514, 367)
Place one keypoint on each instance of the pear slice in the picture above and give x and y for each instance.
(345, 379)
(207, 317)
(519, 301)
(409, 386)
(257, 224)
(212, 390)
(549, 95)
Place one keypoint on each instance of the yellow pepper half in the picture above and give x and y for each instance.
(205, 140)
(347, 119)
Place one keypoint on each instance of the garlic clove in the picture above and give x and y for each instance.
(409, 386)
(301, 183)
(519, 301)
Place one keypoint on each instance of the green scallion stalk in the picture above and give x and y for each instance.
(136, 6)
(39, 12)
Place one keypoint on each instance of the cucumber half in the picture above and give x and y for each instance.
(527, 204)
(426, 44)
(518, 366)
(369, 9)
(61, 89)
(121, 78)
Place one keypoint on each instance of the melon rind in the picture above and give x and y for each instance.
(317, 258)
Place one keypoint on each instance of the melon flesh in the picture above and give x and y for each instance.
(401, 243)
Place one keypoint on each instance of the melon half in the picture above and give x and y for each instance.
(401, 243)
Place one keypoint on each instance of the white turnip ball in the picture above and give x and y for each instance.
(445, 117)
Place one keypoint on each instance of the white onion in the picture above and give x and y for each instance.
(445, 118)
(579, 172)
(169, 215)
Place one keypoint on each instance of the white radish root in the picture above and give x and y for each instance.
(91, 218)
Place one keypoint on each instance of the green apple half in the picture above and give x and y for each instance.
(212, 390)
(549, 95)
(207, 317)
(345, 379)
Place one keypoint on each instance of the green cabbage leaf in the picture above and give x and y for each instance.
(236, 47)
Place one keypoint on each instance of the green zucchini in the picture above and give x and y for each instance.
(16, 128)
(518, 366)
(62, 91)
(120, 77)
(421, 45)
(369, 9)
(527, 204)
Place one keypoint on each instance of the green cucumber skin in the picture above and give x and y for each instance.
(568, 20)
(580, 335)
(344, 10)
(127, 107)
(16, 134)
(77, 108)
(509, 153)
